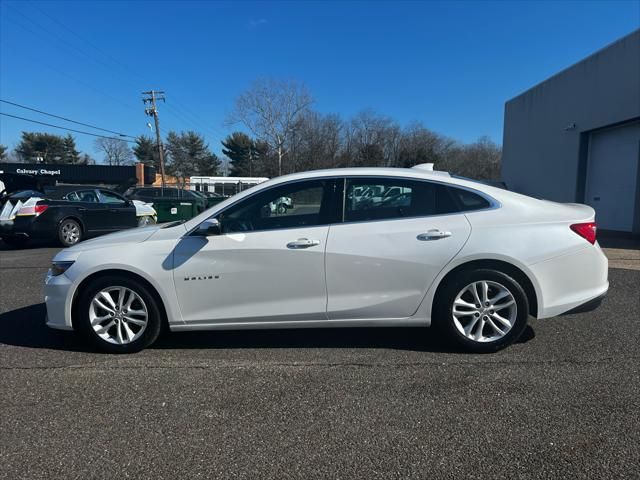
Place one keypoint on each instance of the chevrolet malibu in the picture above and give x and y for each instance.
(473, 260)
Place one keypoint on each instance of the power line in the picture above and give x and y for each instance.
(64, 128)
(66, 119)
(128, 106)
(179, 110)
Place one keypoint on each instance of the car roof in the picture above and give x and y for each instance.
(419, 173)
(61, 190)
(497, 194)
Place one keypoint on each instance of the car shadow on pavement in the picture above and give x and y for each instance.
(420, 339)
(25, 327)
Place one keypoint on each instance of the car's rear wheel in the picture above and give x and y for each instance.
(118, 315)
(69, 232)
(482, 310)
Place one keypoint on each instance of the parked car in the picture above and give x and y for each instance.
(280, 206)
(211, 198)
(151, 194)
(473, 260)
(68, 214)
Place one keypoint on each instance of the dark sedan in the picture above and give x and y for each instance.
(152, 194)
(67, 214)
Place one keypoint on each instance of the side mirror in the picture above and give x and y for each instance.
(210, 227)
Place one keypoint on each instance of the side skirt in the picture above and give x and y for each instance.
(256, 325)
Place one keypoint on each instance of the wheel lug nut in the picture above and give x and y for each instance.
(485, 318)
(477, 314)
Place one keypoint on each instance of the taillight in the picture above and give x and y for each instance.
(586, 230)
(32, 210)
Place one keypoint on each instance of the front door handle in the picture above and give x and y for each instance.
(303, 243)
(433, 235)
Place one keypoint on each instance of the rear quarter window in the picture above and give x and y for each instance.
(468, 201)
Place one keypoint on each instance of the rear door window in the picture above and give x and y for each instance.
(88, 196)
(369, 199)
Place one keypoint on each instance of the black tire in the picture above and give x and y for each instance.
(69, 225)
(154, 319)
(443, 310)
(16, 242)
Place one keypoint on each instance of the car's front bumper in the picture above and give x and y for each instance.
(57, 297)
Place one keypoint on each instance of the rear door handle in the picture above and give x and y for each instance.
(303, 243)
(433, 235)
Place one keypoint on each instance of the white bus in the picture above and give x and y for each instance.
(225, 186)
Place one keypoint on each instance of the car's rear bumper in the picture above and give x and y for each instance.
(571, 280)
(26, 228)
(588, 306)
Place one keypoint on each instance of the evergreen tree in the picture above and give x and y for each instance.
(41, 147)
(190, 155)
(146, 151)
(69, 152)
(240, 149)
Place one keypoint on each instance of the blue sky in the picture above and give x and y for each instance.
(449, 65)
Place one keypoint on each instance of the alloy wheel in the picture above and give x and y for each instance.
(484, 311)
(70, 233)
(118, 315)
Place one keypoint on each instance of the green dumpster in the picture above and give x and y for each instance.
(172, 209)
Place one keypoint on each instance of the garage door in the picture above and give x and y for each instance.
(612, 176)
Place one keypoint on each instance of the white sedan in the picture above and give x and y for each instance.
(471, 259)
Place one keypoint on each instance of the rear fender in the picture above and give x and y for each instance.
(482, 261)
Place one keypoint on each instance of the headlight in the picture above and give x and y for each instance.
(58, 268)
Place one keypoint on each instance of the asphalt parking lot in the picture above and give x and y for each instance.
(368, 403)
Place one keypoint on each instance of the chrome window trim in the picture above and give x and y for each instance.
(493, 203)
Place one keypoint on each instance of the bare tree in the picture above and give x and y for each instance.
(373, 140)
(271, 109)
(116, 151)
(421, 145)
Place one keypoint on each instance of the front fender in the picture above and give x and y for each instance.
(163, 286)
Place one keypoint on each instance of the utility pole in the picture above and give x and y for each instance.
(152, 111)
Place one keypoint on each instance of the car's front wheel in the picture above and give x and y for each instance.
(118, 315)
(481, 310)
